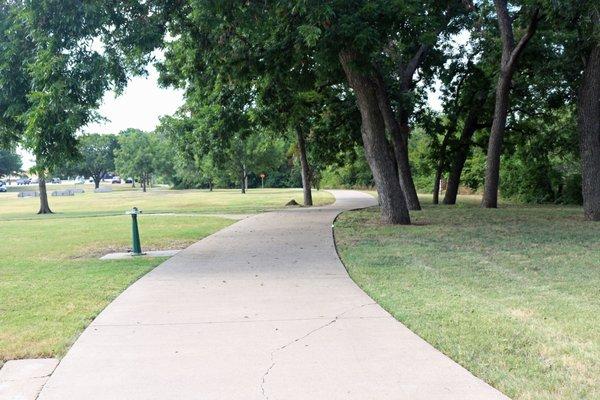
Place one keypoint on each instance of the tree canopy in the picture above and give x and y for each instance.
(10, 163)
(516, 83)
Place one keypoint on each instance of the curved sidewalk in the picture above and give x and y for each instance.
(263, 309)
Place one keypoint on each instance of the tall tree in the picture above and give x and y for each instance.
(511, 52)
(55, 73)
(468, 109)
(141, 155)
(96, 156)
(345, 43)
(589, 119)
(286, 105)
(377, 149)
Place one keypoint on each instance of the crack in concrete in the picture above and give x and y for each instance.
(27, 378)
(279, 349)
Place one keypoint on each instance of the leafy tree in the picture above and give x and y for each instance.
(467, 103)
(10, 163)
(58, 59)
(340, 42)
(97, 156)
(140, 155)
(511, 52)
(588, 104)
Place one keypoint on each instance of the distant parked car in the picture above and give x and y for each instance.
(79, 180)
(129, 180)
(116, 179)
(23, 181)
(2, 186)
(34, 181)
(55, 180)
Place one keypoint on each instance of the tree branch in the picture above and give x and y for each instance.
(531, 28)
(413, 65)
(506, 31)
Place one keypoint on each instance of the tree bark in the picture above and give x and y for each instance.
(144, 180)
(399, 145)
(243, 179)
(305, 170)
(44, 206)
(400, 141)
(492, 171)
(436, 183)
(96, 182)
(510, 56)
(394, 209)
(588, 121)
(460, 156)
(439, 171)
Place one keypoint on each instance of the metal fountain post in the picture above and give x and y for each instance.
(136, 249)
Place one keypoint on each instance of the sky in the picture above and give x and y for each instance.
(140, 106)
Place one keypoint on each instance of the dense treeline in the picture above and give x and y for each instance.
(342, 85)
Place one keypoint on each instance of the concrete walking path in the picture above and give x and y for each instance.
(263, 309)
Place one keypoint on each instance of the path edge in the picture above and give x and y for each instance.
(335, 245)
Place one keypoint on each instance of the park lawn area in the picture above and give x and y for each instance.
(156, 200)
(511, 294)
(52, 283)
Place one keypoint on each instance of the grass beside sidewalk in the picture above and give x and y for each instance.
(52, 283)
(511, 294)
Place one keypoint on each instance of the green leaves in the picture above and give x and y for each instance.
(310, 34)
(10, 163)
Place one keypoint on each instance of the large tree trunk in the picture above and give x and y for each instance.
(399, 145)
(306, 174)
(394, 209)
(510, 56)
(588, 122)
(492, 171)
(96, 182)
(44, 206)
(144, 181)
(441, 165)
(460, 157)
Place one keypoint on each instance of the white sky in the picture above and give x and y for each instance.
(140, 106)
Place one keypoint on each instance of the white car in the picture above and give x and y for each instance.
(2, 187)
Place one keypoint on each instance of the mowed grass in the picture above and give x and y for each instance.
(511, 294)
(52, 283)
(157, 200)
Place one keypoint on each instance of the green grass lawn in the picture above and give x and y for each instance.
(158, 200)
(51, 282)
(512, 294)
